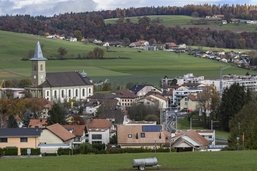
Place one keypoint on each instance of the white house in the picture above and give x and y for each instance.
(142, 90)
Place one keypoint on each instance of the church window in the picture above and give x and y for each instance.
(83, 92)
(76, 92)
(55, 94)
(41, 67)
(62, 93)
(89, 90)
(69, 92)
(47, 93)
(35, 67)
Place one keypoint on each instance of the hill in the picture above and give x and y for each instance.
(121, 65)
(187, 22)
(211, 161)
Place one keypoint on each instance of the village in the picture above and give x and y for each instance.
(114, 120)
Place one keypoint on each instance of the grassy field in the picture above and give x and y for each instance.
(197, 161)
(185, 21)
(121, 65)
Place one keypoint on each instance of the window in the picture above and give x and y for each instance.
(83, 92)
(69, 93)
(41, 67)
(62, 93)
(23, 139)
(35, 67)
(142, 135)
(3, 140)
(96, 136)
(47, 93)
(76, 92)
(55, 94)
(89, 90)
(129, 135)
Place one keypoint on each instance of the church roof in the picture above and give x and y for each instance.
(65, 79)
(38, 55)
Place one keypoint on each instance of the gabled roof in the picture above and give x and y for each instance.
(136, 88)
(77, 130)
(38, 55)
(20, 132)
(61, 79)
(60, 132)
(37, 123)
(99, 124)
(125, 94)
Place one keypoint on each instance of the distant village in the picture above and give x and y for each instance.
(102, 118)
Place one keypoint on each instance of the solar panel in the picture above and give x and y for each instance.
(151, 128)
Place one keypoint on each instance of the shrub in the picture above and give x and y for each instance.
(10, 151)
(64, 151)
(1, 151)
(34, 151)
(85, 148)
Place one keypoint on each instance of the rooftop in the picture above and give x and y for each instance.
(20, 132)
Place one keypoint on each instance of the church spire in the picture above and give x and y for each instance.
(38, 55)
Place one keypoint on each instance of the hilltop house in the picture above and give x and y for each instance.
(60, 86)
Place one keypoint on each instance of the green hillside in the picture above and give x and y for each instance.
(121, 65)
(185, 21)
(187, 161)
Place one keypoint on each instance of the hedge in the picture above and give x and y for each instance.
(64, 151)
(34, 151)
(10, 151)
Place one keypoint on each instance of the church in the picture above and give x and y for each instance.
(59, 86)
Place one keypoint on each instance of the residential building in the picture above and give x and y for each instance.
(188, 141)
(209, 135)
(37, 123)
(125, 98)
(142, 90)
(60, 86)
(190, 103)
(80, 132)
(141, 136)
(19, 137)
(54, 137)
(99, 131)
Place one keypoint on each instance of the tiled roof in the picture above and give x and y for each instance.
(126, 94)
(61, 79)
(60, 132)
(20, 132)
(77, 130)
(99, 124)
(37, 123)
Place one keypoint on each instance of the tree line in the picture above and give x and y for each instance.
(91, 25)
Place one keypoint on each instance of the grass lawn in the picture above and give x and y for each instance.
(121, 65)
(190, 161)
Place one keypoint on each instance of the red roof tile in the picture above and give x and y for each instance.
(60, 132)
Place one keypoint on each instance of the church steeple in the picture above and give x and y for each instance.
(38, 66)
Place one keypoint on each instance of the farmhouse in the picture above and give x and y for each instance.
(60, 86)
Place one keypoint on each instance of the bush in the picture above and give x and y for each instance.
(1, 151)
(34, 151)
(64, 151)
(85, 148)
(10, 151)
(98, 147)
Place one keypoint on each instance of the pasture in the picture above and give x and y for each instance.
(187, 161)
(120, 66)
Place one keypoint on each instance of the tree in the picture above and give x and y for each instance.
(141, 112)
(78, 35)
(97, 53)
(243, 128)
(12, 123)
(62, 52)
(57, 114)
(232, 101)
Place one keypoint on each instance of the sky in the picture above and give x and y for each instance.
(51, 7)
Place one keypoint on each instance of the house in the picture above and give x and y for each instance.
(80, 132)
(19, 137)
(139, 44)
(37, 123)
(209, 135)
(73, 39)
(141, 136)
(54, 137)
(162, 101)
(188, 141)
(142, 90)
(99, 131)
(148, 101)
(60, 86)
(125, 97)
(190, 103)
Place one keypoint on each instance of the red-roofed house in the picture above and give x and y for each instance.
(99, 131)
(80, 131)
(37, 123)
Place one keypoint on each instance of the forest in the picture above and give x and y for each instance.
(91, 25)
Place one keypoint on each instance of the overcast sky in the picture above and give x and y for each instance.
(51, 7)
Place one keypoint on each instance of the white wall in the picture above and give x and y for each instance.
(105, 136)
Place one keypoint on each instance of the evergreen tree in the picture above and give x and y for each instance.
(12, 123)
(233, 99)
(57, 114)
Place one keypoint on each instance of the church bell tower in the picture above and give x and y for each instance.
(38, 66)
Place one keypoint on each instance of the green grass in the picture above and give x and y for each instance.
(185, 21)
(191, 161)
(139, 66)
